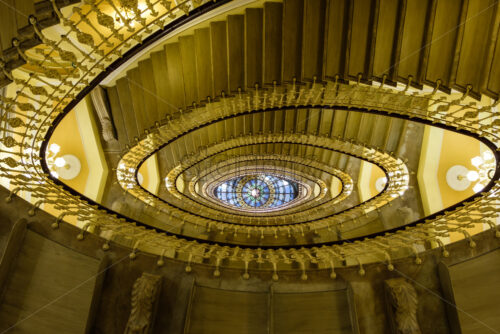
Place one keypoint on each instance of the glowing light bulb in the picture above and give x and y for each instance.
(476, 161)
(54, 148)
(477, 187)
(487, 155)
(60, 162)
(472, 175)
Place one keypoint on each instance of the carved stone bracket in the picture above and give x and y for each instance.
(144, 301)
(402, 306)
(99, 101)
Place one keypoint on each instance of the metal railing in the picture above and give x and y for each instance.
(92, 40)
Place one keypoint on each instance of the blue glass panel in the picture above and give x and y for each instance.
(256, 191)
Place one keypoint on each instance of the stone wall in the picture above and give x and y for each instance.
(102, 290)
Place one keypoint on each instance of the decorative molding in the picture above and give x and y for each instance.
(144, 301)
(99, 102)
(402, 306)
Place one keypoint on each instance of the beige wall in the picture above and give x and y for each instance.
(49, 289)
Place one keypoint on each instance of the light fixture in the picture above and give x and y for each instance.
(472, 175)
(460, 178)
(477, 187)
(54, 148)
(476, 161)
(60, 162)
(66, 167)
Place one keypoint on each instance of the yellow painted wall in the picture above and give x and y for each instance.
(150, 174)
(368, 175)
(441, 150)
(67, 136)
(335, 187)
(457, 149)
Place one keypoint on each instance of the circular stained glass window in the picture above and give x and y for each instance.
(262, 191)
(255, 193)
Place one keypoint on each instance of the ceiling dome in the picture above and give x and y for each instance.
(258, 192)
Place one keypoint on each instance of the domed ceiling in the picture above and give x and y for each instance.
(242, 137)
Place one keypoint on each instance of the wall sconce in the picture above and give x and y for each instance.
(66, 167)
(460, 178)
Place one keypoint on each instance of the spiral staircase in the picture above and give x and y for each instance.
(330, 96)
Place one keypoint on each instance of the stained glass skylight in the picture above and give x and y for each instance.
(261, 191)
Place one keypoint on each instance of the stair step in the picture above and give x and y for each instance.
(342, 161)
(380, 129)
(313, 39)
(8, 25)
(203, 63)
(361, 38)
(292, 40)
(416, 22)
(313, 121)
(366, 128)
(326, 122)
(236, 51)
(336, 39)
(352, 125)
(386, 43)
(480, 22)
(14, 23)
(253, 46)
(339, 122)
(24, 8)
(136, 89)
(301, 121)
(444, 36)
(396, 132)
(127, 108)
(273, 15)
(159, 64)
(175, 79)
(189, 69)
(218, 39)
(117, 115)
(151, 98)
